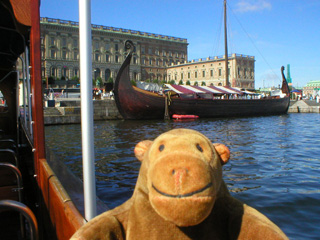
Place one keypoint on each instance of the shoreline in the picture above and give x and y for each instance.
(68, 111)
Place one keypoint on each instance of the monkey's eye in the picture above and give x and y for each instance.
(199, 147)
(161, 147)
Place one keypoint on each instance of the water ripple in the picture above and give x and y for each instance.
(274, 164)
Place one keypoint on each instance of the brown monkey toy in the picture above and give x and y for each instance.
(180, 194)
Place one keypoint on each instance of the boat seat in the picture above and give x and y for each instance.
(12, 225)
(11, 185)
(8, 144)
(8, 156)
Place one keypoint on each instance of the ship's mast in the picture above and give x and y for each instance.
(226, 44)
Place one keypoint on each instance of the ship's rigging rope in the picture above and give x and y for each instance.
(219, 35)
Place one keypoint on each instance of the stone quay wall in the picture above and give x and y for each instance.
(304, 106)
(69, 112)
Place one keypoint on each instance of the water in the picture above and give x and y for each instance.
(274, 165)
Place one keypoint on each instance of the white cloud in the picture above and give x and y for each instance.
(253, 6)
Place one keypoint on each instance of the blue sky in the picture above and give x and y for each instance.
(276, 32)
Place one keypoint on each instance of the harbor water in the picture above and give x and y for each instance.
(274, 165)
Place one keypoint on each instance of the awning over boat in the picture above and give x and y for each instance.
(187, 89)
(246, 91)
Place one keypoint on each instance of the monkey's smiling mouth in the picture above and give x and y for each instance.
(183, 195)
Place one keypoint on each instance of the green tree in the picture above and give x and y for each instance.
(98, 82)
(203, 83)
(133, 82)
(188, 83)
(180, 82)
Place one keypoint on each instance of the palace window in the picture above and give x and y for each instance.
(75, 56)
(203, 74)
(64, 42)
(52, 41)
(75, 43)
(53, 71)
(116, 47)
(96, 57)
(53, 53)
(164, 62)
(107, 58)
(107, 46)
(195, 74)
(64, 54)
(96, 45)
(211, 73)
(117, 59)
(76, 72)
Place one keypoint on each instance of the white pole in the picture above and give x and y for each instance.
(89, 185)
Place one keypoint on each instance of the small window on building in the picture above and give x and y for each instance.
(75, 43)
(53, 53)
(64, 42)
(64, 54)
(97, 57)
(96, 45)
(75, 56)
(52, 41)
(107, 46)
(195, 74)
(203, 74)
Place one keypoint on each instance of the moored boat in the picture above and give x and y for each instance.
(136, 103)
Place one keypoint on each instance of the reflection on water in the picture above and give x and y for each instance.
(274, 163)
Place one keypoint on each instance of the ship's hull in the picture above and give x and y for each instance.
(135, 103)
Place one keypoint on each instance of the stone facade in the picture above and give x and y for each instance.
(69, 112)
(211, 71)
(311, 89)
(153, 52)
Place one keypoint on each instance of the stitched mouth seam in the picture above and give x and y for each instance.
(182, 195)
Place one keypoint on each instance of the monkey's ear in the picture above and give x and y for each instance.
(141, 148)
(223, 152)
